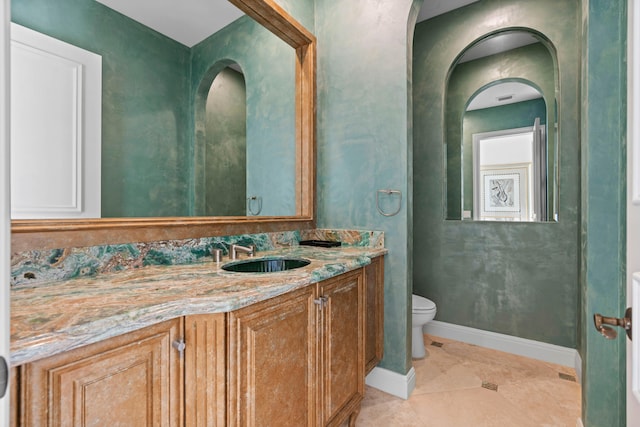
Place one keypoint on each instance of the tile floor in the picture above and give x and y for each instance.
(464, 385)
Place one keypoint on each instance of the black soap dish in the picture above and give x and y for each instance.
(320, 243)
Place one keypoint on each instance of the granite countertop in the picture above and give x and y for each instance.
(48, 319)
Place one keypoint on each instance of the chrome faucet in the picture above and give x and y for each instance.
(235, 249)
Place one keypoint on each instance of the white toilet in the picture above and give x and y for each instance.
(422, 311)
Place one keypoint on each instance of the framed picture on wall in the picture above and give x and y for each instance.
(504, 193)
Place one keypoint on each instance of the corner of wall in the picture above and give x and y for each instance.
(392, 382)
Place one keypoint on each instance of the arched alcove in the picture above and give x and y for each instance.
(517, 69)
(221, 142)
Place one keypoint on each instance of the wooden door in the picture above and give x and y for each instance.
(342, 348)
(131, 380)
(205, 370)
(374, 313)
(272, 362)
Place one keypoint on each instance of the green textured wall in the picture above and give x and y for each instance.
(225, 165)
(516, 279)
(512, 116)
(144, 103)
(532, 64)
(603, 280)
(364, 123)
(269, 68)
(302, 11)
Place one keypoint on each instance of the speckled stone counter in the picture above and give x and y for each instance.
(53, 318)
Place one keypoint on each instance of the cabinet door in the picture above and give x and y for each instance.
(272, 362)
(205, 370)
(131, 380)
(374, 313)
(342, 347)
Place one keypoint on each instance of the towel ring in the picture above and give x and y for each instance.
(388, 193)
(250, 201)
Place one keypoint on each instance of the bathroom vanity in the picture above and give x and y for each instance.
(195, 345)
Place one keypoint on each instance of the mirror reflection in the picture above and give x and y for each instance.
(501, 149)
(224, 167)
(154, 161)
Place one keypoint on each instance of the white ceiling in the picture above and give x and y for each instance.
(497, 44)
(503, 94)
(191, 21)
(186, 21)
(431, 8)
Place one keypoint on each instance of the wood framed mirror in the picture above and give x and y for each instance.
(62, 233)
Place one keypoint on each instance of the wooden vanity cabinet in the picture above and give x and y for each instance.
(272, 362)
(374, 313)
(341, 352)
(298, 359)
(133, 379)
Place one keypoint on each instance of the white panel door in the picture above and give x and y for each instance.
(4, 201)
(55, 127)
(633, 213)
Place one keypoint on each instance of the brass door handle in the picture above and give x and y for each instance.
(4, 376)
(607, 331)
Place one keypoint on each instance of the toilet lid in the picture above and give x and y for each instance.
(422, 303)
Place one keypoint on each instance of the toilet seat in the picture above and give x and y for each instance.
(422, 304)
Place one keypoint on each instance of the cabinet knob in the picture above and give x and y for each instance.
(179, 345)
(322, 301)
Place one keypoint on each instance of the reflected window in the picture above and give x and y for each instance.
(508, 166)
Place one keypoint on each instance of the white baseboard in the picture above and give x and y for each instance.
(392, 382)
(579, 423)
(523, 347)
